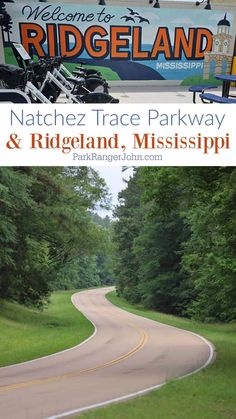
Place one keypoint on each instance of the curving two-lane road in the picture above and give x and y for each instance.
(126, 355)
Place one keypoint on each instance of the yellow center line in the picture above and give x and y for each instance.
(142, 341)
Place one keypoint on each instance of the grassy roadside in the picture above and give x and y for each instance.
(210, 394)
(27, 334)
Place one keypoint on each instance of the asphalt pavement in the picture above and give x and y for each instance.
(126, 356)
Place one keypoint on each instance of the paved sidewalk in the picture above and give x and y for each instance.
(155, 94)
(151, 94)
(127, 356)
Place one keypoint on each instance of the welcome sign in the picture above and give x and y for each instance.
(132, 44)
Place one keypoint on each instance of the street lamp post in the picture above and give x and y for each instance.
(157, 5)
(208, 4)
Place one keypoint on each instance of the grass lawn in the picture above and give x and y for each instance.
(27, 333)
(107, 72)
(198, 79)
(209, 394)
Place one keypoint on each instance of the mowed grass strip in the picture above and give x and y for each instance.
(26, 333)
(209, 394)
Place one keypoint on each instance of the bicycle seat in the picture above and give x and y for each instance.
(12, 75)
(80, 63)
(76, 80)
(78, 72)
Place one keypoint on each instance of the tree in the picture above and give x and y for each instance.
(46, 224)
(126, 228)
(176, 243)
(162, 283)
(210, 254)
(6, 21)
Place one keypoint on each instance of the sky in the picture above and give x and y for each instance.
(114, 180)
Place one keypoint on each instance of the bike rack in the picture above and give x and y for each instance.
(30, 88)
(67, 73)
(62, 79)
(51, 78)
(13, 96)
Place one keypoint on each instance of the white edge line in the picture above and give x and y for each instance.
(148, 389)
(93, 406)
(60, 352)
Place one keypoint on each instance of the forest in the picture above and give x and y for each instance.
(175, 241)
(170, 245)
(50, 235)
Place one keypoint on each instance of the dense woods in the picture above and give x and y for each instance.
(49, 237)
(171, 245)
(175, 241)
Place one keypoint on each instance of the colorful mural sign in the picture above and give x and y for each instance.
(135, 44)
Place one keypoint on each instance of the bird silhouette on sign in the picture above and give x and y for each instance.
(128, 18)
(143, 19)
(131, 11)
